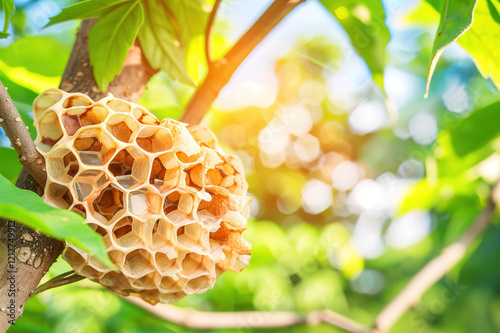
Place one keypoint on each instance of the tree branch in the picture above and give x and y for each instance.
(249, 319)
(221, 71)
(208, 32)
(20, 138)
(432, 272)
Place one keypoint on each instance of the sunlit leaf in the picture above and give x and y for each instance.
(29, 209)
(49, 60)
(160, 42)
(8, 8)
(482, 41)
(111, 38)
(85, 10)
(189, 17)
(456, 19)
(364, 22)
(477, 130)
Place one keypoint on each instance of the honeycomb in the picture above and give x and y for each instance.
(169, 204)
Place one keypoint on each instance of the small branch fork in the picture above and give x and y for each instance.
(20, 138)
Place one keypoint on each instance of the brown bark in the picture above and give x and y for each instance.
(33, 253)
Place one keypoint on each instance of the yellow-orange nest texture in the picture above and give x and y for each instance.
(169, 204)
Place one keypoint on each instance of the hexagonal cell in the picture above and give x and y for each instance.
(118, 105)
(123, 127)
(195, 265)
(116, 279)
(76, 118)
(162, 234)
(154, 139)
(127, 232)
(147, 282)
(109, 202)
(130, 168)
(144, 200)
(60, 195)
(89, 182)
(157, 175)
(44, 101)
(169, 285)
(77, 100)
(137, 263)
(94, 146)
(49, 131)
(62, 165)
(165, 265)
(200, 284)
(144, 117)
(73, 257)
(193, 237)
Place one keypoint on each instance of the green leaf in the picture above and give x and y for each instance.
(189, 19)
(477, 130)
(8, 7)
(4, 34)
(160, 43)
(85, 10)
(364, 22)
(111, 38)
(29, 209)
(482, 41)
(456, 19)
(10, 166)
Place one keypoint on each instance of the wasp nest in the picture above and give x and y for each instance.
(169, 204)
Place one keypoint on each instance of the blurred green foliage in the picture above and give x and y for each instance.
(358, 180)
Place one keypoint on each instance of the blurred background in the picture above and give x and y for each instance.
(356, 177)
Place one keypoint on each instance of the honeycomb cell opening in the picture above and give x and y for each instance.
(195, 265)
(46, 100)
(162, 234)
(154, 139)
(59, 194)
(89, 183)
(118, 105)
(138, 263)
(109, 202)
(144, 117)
(144, 200)
(199, 284)
(94, 147)
(49, 130)
(76, 100)
(130, 168)
(127, 232)
(123, 127)
(63, 165)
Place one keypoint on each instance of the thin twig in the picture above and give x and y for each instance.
(432, 272)
(208, 32)
(20, 138)
(249, 319)
(223, 69)
(58, 281)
